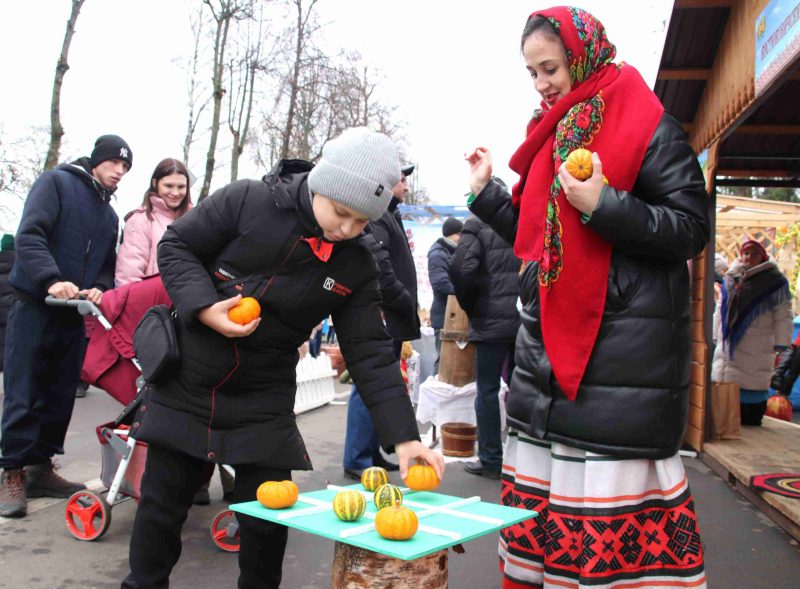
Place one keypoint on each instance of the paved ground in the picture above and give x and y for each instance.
(744, 549)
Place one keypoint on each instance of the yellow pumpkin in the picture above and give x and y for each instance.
(579, 164)
(277, 494)
(373, 477)
(396, 522)
(387, 495)
(349, 505)
(422, 477)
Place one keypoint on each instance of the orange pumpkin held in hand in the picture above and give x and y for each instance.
(422, 477)
(396, 522)
(277, 494)
(579, 164)
(245, 311)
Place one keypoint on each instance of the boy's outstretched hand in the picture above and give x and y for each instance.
(414, 449)
(216, 317)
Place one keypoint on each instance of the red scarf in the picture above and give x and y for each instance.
(611, 111)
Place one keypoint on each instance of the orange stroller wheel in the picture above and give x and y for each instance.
(88, 515)
(225, 531)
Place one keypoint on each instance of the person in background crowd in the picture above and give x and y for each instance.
(598, 400)
(398, 284)
(752, 321)
(439, 256)
(168, 197)
(66, 247)
(293, 240)
(331, 335)
(7, 256)
(485, 275)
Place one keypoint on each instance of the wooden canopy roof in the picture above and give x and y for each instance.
(706, 80)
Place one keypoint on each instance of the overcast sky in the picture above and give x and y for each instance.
(452, 67)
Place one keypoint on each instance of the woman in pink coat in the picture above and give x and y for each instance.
(166, 199)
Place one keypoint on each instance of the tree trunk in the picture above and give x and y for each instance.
(56, 130)
(357, 568)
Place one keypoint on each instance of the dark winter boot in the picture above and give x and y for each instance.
(41, 480)
(12, 493)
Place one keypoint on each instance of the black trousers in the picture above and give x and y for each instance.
(169, 483)
(752, 413)
(44, 347)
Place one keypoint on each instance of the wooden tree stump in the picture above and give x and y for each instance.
(357, 568)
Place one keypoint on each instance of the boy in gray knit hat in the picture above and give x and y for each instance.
(292, 241)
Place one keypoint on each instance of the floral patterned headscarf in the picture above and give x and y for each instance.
(609, 110)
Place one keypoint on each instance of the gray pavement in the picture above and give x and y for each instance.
(744, 549)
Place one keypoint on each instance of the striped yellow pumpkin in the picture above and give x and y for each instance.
(349, 505)
(387, 495)
(373, 477)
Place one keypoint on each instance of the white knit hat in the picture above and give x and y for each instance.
(358, 169)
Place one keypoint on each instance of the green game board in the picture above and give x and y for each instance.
(465, 519)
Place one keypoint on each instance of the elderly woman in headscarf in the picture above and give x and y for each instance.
(752, 321)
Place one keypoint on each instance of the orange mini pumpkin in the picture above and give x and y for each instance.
(422, 477)
(245, 311)
(396, 522)
(277, 494)
(579, 164)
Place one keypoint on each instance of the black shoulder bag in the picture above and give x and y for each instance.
(156, 344)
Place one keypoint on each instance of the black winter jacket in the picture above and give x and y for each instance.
(232, 399)
(6, 298)
(439, 257)
(485, 274)
(398, 275)
(633, 400)
(68, 232)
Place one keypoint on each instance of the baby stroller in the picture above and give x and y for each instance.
(110, 364)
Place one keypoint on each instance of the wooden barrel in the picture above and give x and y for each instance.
(457, 358)
(358, 568)
(458, 439)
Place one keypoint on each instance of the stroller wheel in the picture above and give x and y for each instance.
(225, 531)
(88, 515)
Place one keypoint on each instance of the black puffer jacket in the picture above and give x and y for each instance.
(398, 275)
(485, 274)
(439, 257)
(6, 298)
(633, 400)
(232, 399)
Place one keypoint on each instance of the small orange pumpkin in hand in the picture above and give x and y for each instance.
(277, 494)
(579, 164)
(422, 477)
(396, 522)
(245, 311)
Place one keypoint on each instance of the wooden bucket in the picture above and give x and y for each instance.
(358, 568)
(457, 359)
(458, 439)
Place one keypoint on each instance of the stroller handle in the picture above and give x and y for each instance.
(83, 306)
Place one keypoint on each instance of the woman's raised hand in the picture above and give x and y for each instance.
(216, 317)
(480, 168)
(583, 194)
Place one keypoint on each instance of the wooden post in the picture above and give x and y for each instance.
(358, 568)
(457, 359)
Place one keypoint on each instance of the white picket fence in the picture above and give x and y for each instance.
(314, 383)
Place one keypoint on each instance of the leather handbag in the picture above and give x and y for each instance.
(156, 344)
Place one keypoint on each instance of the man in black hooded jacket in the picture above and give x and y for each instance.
(65, 248)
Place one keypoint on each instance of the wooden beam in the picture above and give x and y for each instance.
(730, 89)
(768, 129)
(757, 203)
(755, 173)
(752, 223)
(689, 73)
(764, 182)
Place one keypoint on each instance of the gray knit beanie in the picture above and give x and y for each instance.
(358, 169)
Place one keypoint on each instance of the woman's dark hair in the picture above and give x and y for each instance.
(539, 23)
(167, 167)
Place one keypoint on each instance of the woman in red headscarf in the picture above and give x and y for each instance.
(599, 399)
(752, 320)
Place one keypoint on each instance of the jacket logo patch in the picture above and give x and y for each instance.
(336, 287)
(223, 274)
